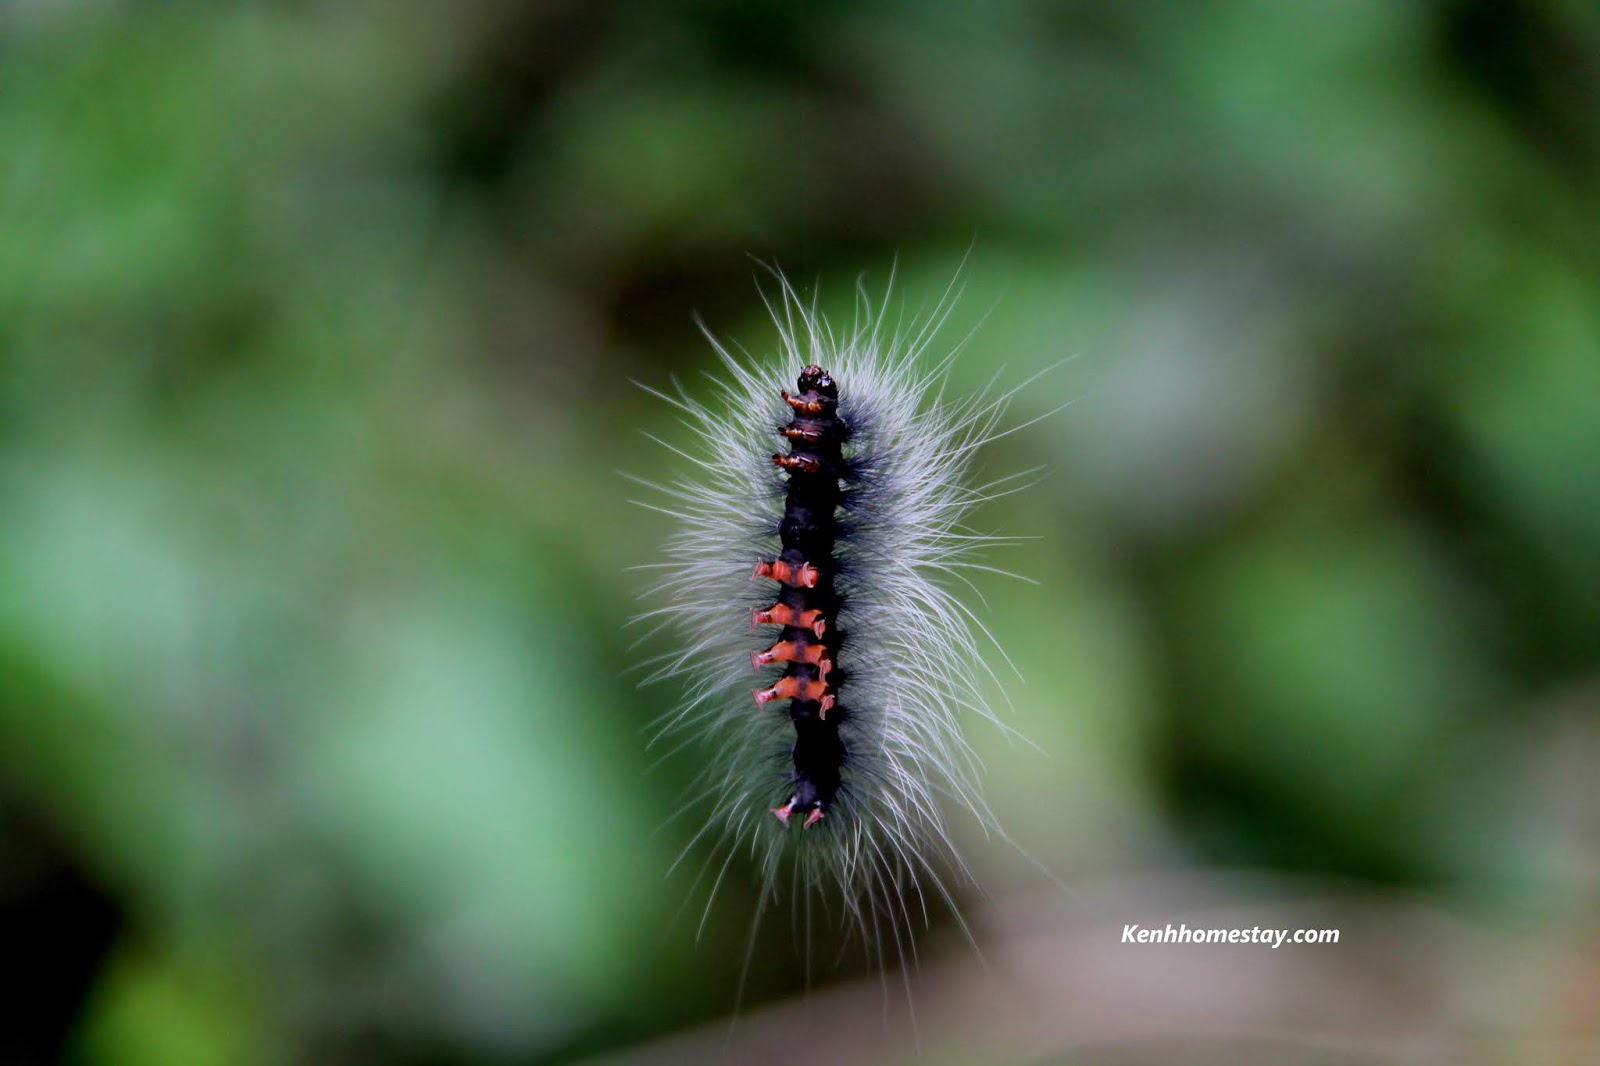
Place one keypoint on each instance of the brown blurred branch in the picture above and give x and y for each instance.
(1411, 981)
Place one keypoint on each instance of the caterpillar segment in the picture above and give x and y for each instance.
(804, 434)
(803, 463)
(794, 651)
(808, 403)
(794, 687)
(783, 614)
(802, 575)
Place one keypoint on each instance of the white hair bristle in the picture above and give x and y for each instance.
(911, 659)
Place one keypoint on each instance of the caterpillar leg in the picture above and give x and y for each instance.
(783, 813)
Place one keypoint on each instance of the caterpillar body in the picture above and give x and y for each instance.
(832, 561)
(807, 607)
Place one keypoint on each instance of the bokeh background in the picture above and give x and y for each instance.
(318, 323)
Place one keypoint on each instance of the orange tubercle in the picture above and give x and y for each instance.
(781, 614)
(794, 651)
(795, 575)
(794, 688)
(808, 464)
(810, 407)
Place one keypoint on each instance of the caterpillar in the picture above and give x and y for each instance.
(818, 531)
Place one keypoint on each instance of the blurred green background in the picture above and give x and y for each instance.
(317, 328)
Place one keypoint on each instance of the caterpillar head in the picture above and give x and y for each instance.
(815, 379)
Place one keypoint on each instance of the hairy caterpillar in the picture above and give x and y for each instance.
(831, 562)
